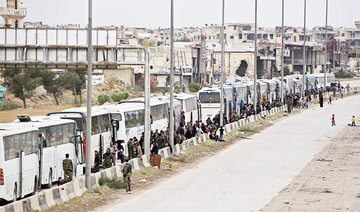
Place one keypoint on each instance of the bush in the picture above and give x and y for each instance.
(164, 90)
(103, 99)
(117, 97)
(194, 87)
(342, 74)
(8, 105)
(112, 183)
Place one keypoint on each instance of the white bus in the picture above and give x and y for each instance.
(131, 118)
(177, 110)
(159, 113)
(209, 100)
(100, 124)
(19, 161)
(58, 138)
(189, 106)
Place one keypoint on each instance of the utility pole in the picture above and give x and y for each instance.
(171, 127)
(334, 60)
(88, 102)
(222, 65)
(147, 127)
(304, 51)
(255, 61)
(326, 43)
(282, 54)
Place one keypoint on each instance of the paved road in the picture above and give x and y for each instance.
(250, 173)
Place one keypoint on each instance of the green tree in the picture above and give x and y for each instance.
(75, 81)
(194, 87)
(103, 99)
(52, 84)
(22, 83)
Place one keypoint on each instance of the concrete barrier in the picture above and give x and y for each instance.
(77, 186)
(49, 198)
(42, 201)
(70, 190)
(63, 194)
(34, 203)
(56, 196)
(144, 160)
(164, 153)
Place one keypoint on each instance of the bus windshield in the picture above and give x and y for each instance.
(209, 97)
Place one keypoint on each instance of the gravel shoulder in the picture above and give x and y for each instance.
(330, 182)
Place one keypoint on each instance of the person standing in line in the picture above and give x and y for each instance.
(126, 175)
(96, 167)
(333, 120)
(68, 168)
(107, 159)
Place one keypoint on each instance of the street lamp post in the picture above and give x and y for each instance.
(222, 65)
(88, 102)
(282, 54)
(304, 52)
(255, 61)
(326, 47)
(171, 127)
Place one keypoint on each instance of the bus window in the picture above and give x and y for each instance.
(159, 112)
(95, 125)
(209, 97)
(116, 116)
(10, 152)
(35, 143)
(104, 123)
(27, 144)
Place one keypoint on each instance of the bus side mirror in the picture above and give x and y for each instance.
(115, 124)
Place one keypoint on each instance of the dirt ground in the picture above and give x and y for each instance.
(331, 182)
(10, 115)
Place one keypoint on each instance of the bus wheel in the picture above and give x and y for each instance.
(50, 179)
(15, 193)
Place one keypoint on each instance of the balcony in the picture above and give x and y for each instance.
(20, 13)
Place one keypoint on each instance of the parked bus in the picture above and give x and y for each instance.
(100, 128)
(19, 161)
(189, 106)
(209, 100)
(177, 110)
(58, 138)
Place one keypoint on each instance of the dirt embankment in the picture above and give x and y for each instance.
(42, 103)
(331, 182)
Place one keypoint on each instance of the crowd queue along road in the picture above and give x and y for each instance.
(35, 152)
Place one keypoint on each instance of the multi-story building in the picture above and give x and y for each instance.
(13, 14)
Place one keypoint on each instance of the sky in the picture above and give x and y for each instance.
(156, 13)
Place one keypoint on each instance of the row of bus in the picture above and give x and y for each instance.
(237, 94)
(32, 149)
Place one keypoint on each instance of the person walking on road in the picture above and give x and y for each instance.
(353, 121)
(321, 100)
(333, 120)
(329, 102)
(126, 176)
(68, 168)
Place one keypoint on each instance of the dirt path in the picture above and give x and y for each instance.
(331, 182)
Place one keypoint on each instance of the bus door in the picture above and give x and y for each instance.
(79, 156)
(101, 148)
